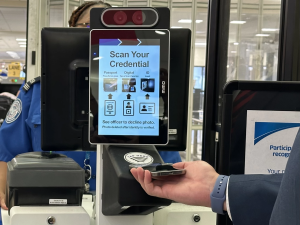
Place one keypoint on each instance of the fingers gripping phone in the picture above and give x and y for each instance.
(160, 169)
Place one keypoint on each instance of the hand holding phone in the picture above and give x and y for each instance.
(160, 169)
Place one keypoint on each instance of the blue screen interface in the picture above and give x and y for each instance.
(129, 87)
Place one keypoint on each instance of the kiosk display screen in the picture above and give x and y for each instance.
(130, 68)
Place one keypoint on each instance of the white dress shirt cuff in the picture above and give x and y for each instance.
(227, 200)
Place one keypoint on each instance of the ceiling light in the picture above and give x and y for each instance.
(236, 43)
(176, 27)
(262, 35)
(184, 21)
(200, 43)
(238, 22)
(269, 30)
(233, 52)
(189, 21)
(114, 6)
(23, 46)
(22, 43)
(160, 32)
(13, 54)
(21, 39)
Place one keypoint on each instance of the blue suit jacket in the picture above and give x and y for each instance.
(267, 199)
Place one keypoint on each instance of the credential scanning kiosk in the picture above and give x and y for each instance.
(129, 77)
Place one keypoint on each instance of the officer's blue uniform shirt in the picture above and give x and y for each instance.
(21, 132)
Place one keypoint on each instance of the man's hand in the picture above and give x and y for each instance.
(193, 188)
(2, 201)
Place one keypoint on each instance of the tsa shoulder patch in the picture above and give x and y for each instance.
(27, 86)
(14, 111)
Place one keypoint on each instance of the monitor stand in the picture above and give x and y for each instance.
(113, 220)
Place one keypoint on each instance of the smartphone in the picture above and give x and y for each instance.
(160, 169)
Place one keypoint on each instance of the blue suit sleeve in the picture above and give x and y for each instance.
(15, 136)
(252, 197)
(287, 206)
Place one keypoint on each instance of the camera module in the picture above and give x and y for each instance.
(138, 17)
(120, 17)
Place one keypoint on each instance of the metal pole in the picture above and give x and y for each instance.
(66, 13)
(238, 38)
(170, 5)
(259, 42)
(190, 105)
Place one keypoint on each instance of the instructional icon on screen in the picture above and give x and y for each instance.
(128, 108)
(110, 84)
(128, 85)
(147, 96)
(110, 108)
(147, 85)
(147, 108)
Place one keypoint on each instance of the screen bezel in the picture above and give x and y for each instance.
(163, 137)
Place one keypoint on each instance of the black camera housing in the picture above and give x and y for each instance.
(130, 18)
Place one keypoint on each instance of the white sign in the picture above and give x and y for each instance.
(58, 201)
(269, 140)
(172, 131)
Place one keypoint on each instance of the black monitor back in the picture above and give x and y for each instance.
(65, 89)
(238, 98)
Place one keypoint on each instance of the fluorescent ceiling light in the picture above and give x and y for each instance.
(114, 6)
(200, 44)
(160, 32)
(23, 46)
(176, 27)
(238, 22)
(269, 30)
(189, 21)
(21, 39)
(234, 52)
(184, 21)
(22, 43)
(13, 55)
(236, 43)
(262, 35)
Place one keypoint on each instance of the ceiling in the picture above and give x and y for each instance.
(13, 16)
(13, 21)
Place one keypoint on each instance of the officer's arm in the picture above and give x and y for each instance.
(15, 136)
(3, 171)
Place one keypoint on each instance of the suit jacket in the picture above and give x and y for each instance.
(267, 199)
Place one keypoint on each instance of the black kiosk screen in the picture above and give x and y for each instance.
(132, 86)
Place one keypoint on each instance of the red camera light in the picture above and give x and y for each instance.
(129, 17)
(120, 17)
(138, 17)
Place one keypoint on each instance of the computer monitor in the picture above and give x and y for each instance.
(65, 89)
